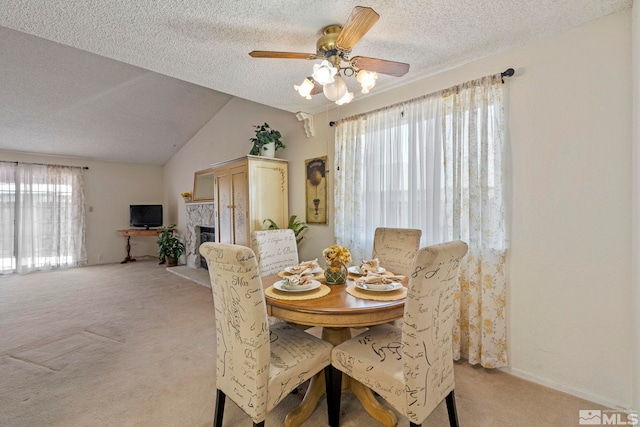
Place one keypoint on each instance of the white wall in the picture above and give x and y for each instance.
(109, 189)
(635, 210)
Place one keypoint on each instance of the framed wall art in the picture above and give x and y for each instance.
(316, 189)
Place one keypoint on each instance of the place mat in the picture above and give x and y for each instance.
(312, 294)
(377, 295)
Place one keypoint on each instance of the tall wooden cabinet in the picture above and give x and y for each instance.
(248, 191)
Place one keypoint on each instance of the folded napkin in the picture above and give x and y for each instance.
(370, 266)
(296, 280)
(305, 267)
(372, 278)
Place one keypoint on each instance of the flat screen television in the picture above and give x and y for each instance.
(145, 216)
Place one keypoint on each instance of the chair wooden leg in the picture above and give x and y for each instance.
(220, 399)
(451, 409)
(333, 384)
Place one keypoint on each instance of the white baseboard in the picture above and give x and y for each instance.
(587, 396)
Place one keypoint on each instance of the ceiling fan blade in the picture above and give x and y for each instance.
(359, 22)
(392, 68)
(282, 55)
(317, 87)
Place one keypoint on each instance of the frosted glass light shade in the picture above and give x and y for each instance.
(347, 98)
(305, 88)
(367, 80)
(324, 72)
(336, 90)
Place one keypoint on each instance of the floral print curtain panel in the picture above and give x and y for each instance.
(462, 131)
(473, 152)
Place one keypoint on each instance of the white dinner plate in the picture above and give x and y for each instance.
(314, 271)
(379, 287)
(356, 270)
(281, 285)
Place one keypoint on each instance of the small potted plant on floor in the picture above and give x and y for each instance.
(266, 141)
(170, 248)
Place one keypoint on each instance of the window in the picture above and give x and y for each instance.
(41, 217)
(435, 163)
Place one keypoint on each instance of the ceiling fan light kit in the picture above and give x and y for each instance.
(305, 88)
(333, 48)
(336, 89)
(367, 79)
(324, 72)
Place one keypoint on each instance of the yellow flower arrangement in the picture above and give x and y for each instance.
(185, 194)
(336, 256)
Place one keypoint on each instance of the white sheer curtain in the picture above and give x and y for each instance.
(48, 226)
(7, 216)
(389, 174)
(435, 163)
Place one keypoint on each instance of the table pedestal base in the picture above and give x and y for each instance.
(128, 258)
(317, 388)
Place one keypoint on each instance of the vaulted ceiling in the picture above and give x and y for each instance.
(122, 80)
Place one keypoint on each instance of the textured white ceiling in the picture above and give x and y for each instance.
(59, 94)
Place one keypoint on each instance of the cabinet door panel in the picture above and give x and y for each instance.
(269, 194)
(240, 205)
(224, 203)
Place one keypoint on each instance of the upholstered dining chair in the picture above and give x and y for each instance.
(275, 250)
(412, 367)
(396, 248)
(257, 364)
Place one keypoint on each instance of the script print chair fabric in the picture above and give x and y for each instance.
(257, 365)
(412, 368)
(396, 248)
(275, 250)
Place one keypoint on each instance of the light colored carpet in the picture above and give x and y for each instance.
(134, 345)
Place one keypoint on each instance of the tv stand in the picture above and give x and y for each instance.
(135, 232)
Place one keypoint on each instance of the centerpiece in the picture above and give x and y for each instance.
(337, 258)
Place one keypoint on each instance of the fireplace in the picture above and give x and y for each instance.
(207, 234)
(199, 215)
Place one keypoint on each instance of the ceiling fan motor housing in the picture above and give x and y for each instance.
(326, 45)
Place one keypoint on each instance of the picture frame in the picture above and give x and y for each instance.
(316, 190)
(203, 186)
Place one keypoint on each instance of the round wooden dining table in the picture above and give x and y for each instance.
(337, 312)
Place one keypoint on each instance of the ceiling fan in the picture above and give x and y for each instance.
(333, 48)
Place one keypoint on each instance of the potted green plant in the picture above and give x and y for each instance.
(297, 226)
(169, 246)
(266, 142)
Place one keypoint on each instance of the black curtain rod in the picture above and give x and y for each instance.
(45, 164)
(509, 72)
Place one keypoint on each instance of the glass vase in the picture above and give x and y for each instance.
(335, 274)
